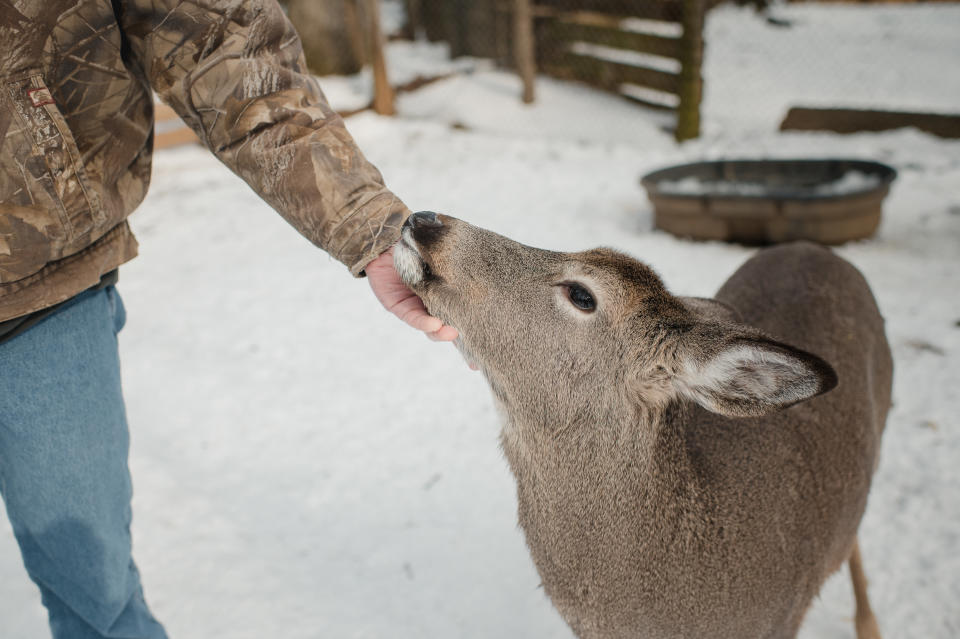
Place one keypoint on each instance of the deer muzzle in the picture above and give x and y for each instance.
(420, 231)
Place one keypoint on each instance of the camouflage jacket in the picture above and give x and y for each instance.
(76, 133)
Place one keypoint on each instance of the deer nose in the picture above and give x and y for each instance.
(423, 219)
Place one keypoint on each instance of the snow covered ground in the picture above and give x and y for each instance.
(305, 466)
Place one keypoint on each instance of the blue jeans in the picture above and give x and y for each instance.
(63, 469)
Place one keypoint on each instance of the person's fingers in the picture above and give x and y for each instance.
(411, 310)
(426, 323)
(397, 298)
(444, 334)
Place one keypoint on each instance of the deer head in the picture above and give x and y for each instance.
(565, 338)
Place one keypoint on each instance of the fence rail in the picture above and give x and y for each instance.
(652, 44)
(610, 74)
(614, 45)
(665, 10)
(612, 35)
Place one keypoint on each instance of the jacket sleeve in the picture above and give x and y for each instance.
(235, 72)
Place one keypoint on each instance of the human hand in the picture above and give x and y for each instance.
(402, 302)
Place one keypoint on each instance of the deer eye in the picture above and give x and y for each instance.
(581, 297)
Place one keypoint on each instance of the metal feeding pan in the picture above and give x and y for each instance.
(768, 201)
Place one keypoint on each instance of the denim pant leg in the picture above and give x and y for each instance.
(63, 469)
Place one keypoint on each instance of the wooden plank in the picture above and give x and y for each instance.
(176, 137)
(169, 129)
(610, 75)
(618, 38)
(656, 106)
(163, 113)
(857, 120)
(667, 10)
(649, 98)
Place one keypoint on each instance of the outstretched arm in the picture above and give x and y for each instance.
(235, 73)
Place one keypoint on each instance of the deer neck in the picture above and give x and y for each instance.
(639, 460)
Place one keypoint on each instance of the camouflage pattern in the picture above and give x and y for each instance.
(76, 133)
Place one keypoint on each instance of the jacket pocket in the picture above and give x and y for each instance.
(47, 205)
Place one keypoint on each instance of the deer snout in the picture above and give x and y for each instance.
(419, 232)
(424, 228)
(422, 219)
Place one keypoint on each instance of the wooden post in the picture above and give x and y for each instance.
(383, 102)
(523, 46)
(457, 27)
(414, 24)
(691, 83)
(432, 19)
(503, 27)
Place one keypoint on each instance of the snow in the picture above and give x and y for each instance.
(406, 62)
(653, 27)
(392, 16)
(835, 55)
(625, 56)
(850, 182)
(306, 466)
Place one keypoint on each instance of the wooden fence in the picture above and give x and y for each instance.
(648, 50)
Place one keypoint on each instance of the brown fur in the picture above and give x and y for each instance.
(648, 515)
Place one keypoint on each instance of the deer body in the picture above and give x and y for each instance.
(680, 472)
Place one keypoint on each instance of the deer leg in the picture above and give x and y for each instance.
(866, 622)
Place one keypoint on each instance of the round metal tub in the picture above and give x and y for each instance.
(767, 201)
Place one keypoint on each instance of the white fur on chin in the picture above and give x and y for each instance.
(406, 260)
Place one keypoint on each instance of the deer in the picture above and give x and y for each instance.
(685, 467)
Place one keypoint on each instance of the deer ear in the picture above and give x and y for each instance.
(752, 376)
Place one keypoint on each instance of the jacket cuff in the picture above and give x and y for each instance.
(369, 231)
